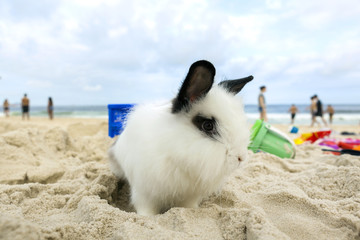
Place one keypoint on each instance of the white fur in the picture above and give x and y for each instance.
(169, 162)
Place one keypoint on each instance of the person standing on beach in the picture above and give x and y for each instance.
(6, 107)
(50, 108)
(25, 104)
(293, 110)
(262, 104)
(319, 111)
(313, 110)
(331, 112)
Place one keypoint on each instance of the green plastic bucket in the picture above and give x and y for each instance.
(268, 139)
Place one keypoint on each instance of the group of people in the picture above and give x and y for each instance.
(25, 107)
(316, 109)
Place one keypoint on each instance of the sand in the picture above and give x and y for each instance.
(55, 184)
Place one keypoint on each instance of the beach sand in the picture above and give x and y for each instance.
(55, 184)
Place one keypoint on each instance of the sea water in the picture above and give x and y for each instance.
(347, 114)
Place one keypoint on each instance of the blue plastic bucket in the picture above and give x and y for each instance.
(294, 129)
(117, 117)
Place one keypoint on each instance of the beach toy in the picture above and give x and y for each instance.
(117, 117)
(294, 129)
(343, 151)
(345, 145)
(268, 139)
(349, 144)
(330, 143)
(299, 141)
(357, 148)
(352, 140)
(312, 137)
(347, 133)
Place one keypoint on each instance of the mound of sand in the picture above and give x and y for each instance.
(55, 184)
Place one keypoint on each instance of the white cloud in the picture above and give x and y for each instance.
(92, 88)
(305, 68)
(39, 84)
(273, 4)
(150, 44)
(117, 32)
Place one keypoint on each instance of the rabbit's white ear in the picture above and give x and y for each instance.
(196, 85)
(235, 86)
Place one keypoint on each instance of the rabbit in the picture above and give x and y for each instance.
(178, 153)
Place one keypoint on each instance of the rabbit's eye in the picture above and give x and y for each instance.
(207, 126)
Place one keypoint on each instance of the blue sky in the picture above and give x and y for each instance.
(86, 52)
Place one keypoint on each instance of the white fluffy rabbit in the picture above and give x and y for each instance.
(176, 154)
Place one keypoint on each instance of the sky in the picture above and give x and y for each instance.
(92, 52)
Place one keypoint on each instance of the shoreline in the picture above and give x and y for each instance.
(345, 114)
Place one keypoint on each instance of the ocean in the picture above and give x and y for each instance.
(347, 114)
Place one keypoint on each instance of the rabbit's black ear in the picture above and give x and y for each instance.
(235, 86)
(196, 85)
